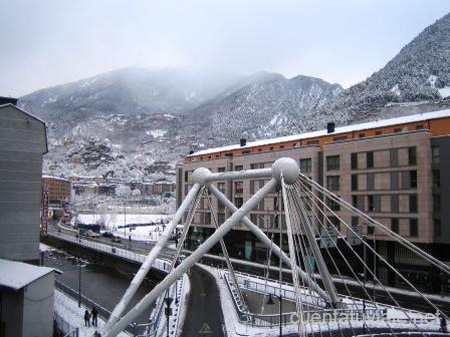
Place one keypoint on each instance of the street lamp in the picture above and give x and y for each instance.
(79, 281)
(280, 301)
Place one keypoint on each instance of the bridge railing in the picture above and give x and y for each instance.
(134, 329)
(64, 327)
(159, 264)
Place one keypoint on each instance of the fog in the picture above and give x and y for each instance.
(48, 42)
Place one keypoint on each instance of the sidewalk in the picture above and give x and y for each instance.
(68, 309)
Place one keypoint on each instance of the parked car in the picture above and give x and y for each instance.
(116, 239)
(92, 234)
(108, 235)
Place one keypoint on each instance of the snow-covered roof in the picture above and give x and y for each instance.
(17, 275)
(343, 129)
(53, 177)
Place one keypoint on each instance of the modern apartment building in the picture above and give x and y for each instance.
(59, 190)
(395, 170)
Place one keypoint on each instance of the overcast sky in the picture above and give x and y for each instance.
(48, 42)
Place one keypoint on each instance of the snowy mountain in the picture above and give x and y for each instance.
(122, 123)
(128, 91)
(265, 107)
(419, 72)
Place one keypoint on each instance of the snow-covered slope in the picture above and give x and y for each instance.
(121, 123)
(262, 109)
(419, 72)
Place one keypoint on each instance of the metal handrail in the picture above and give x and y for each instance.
(160, 264)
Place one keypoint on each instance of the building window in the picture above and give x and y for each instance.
(238, 187)
(378, 133)
(306, 165)
(393, 157)
(355, 222)
(221, 187)
(354, 160)
(333, 205)
(220, 218)
(435, 155)
(412, 155)
(436, 178)
(397, 130)
(413, 230)
(335, 221)
(437, 228)
(413, 176)
(370, 180)
(354, 182)
(436, 203)
(370, 203)
(333, 183)
(220, 206)
(394, 225)
(238, 167)
(374, 203)
(394, 181)
(409, 180)
(413, 203)
(186, 175)
(420, 127)
(362, 135)
(394, 203)
(369, 159)
(252, 186)
(257, 166)
(254, 218)
(206, 219)
(370, 229)
(332, 163)
(238, 202)
(221, 169)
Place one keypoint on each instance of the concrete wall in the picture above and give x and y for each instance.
(11, 312)
(22, 144)
(38, 307)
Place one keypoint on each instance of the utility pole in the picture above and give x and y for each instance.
(79, 283)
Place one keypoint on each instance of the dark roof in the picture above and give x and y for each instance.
(6, 100)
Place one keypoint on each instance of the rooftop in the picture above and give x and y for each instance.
(16, 275)
(338, 130)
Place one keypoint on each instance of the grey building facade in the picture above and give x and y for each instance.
(23, 143)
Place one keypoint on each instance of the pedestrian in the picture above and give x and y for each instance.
(444, 325)
(94, 314)
(87, 318)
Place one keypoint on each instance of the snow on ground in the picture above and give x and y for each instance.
(68, 309)
(111, 220)
(235, 328)
(444, 92)
(141, 233)
(156, 133)
(396, 90)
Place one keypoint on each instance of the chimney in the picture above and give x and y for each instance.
(330, 127)
(243, 141)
